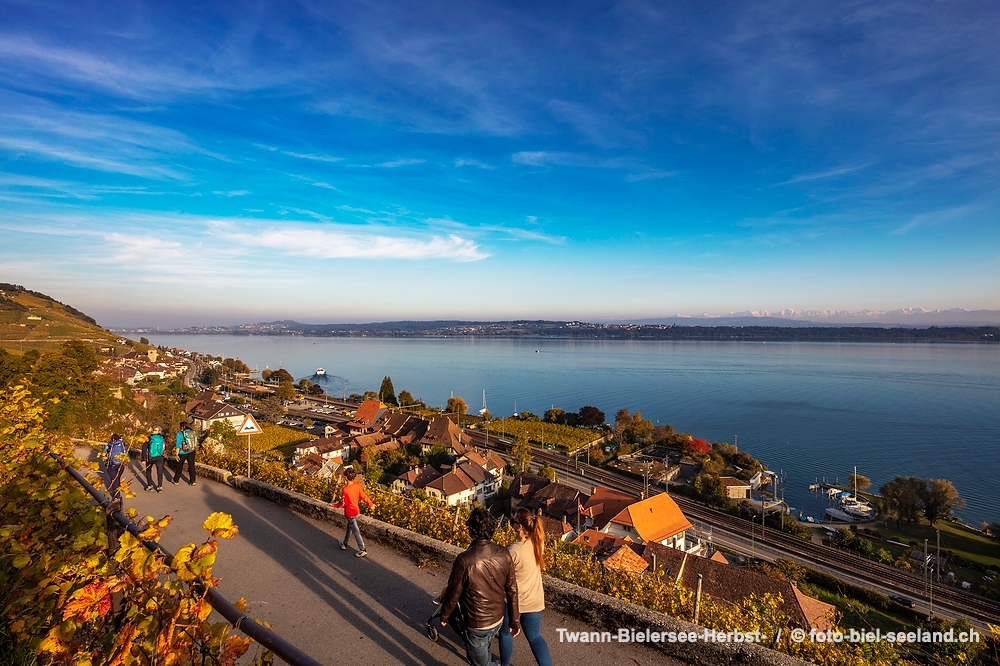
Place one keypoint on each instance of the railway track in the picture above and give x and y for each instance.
(806, 552)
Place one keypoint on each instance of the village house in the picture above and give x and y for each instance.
(442, 432)
(726, 583)
(416, 478)
(365, 417)
(736, 489)
(656, 519)
(325, 447)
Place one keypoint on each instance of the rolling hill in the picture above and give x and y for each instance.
(32, 320)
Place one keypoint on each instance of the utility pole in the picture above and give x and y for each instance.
(937, 563)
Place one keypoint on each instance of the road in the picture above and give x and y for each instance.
(338, 608)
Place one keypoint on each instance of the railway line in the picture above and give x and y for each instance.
(959, 602)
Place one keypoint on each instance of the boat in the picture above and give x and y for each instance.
(320, 371)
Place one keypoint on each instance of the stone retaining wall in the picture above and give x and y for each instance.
(602, 612)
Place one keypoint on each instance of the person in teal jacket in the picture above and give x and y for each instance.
(186, 443)
(152, 455)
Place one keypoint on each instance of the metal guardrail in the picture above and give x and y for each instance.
(240, 620)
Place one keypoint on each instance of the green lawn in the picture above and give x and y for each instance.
(969, 544)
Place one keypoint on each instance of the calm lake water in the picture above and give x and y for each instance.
(812, 410)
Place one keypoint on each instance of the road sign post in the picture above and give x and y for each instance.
(249, 427)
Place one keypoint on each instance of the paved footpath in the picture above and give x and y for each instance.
(337, 608)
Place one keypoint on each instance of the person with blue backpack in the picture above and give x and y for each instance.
(152, 455)
(116, 459)
(186, 442)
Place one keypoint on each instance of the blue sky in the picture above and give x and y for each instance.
(167, 164)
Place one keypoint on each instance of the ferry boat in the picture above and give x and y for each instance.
(320, 371)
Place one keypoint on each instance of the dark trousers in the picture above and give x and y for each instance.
(185, 459)
(115, 472)
(158, 464)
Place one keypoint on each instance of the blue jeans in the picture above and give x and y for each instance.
(478, 643)
(352, 528)
(531, 626)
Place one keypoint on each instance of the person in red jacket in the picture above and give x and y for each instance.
(352, 495)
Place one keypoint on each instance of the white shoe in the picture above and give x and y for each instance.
(343, 546)
(361, 553)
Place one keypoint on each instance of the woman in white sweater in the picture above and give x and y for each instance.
(528, 555)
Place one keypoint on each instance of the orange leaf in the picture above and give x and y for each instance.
(88, 603)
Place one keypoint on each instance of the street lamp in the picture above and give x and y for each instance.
(752, 519)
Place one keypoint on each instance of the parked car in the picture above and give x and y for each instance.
(903, 601)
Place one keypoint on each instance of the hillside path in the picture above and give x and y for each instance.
(338, 608)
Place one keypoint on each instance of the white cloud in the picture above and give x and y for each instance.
(232, 193)
(346, 242)
(400, 162)
(462, 162)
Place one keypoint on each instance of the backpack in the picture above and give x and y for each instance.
(117, 452)
(155, 446)
(190, 442)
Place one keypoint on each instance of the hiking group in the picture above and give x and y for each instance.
(155, 457)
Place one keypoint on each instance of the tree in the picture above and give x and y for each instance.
(546, 472)
(456, 406)
(12, 368)
(304, 385)
(281, 375)
(487, 416)
(271, 408)
(83, 354)
(901, 499)
(308, 423)
(555, 415)
(520, 453)
(623, 422)
(858, 481)
(356, 398)
(698, 446)
(224, 431)
(210, 376)
(710, 488)
(143, 341)
(285, 391)
(939, 498)
(266, 374)
(386, 393)
(591, 416)
(315, 389)
(406, 398)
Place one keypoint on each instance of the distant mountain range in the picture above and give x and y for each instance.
(906, 317)
(717, 328)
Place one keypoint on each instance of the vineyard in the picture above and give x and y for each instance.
(273, 437)
(542, 434)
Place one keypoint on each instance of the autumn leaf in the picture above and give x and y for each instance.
(221, 525)
(88, 603)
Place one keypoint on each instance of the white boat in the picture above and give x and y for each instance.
(320, 371)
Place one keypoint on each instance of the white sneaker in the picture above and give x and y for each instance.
(361, 553)
(343, 546)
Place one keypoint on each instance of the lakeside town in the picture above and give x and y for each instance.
(596, 483)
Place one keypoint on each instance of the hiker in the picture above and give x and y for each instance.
(482, 581)
(116, 454)
(186, 443)
(528, 553)
(152, 455)
(351, 496)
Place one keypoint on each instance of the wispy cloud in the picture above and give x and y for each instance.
(347, 242)
(824, 175)
(232, 193)
(463, 162)
(400, 163)
(314, 157)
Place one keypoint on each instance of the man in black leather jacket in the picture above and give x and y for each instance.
(482, 581)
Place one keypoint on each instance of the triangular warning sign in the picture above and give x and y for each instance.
(249, 427)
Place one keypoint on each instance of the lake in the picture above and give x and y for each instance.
(811, 410)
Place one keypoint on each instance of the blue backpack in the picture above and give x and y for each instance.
(117, 452)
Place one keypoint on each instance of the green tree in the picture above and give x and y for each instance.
(456, 406)
(939, 499)
(858, 481)
(266, 374)
(224, 431)
(547, 472)
(308, 423)
(710, 488)
(271, 408)
(901, 498)
(143, 341)
(282, 375)
(520, 453)
(285, 391)
(386, 393)
(304, 385)
(406, 398)
(83, 353)
(370, 395)
(211, 376)
(591, 416)
(555, 415)
(12, 368)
